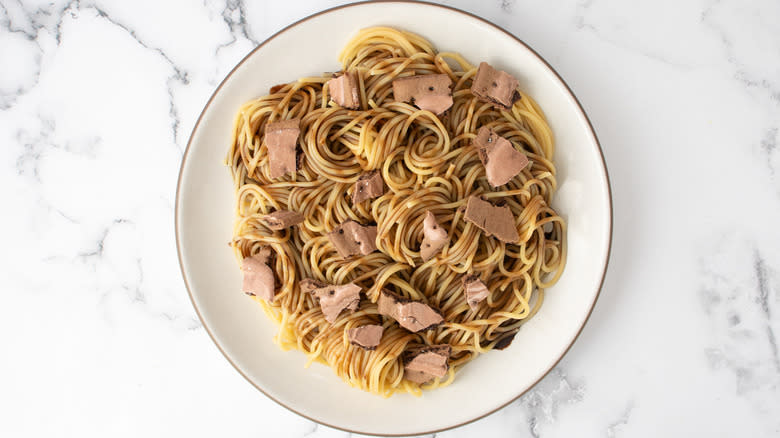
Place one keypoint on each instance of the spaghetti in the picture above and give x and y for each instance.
(428, 164)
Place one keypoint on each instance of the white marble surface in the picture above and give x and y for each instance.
(97, 100)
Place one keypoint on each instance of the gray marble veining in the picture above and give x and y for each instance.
(97, 99)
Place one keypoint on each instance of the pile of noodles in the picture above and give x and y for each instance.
(428, 164)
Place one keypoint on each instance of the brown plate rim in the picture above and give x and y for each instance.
(449, 8)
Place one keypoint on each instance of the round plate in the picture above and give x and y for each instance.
(204, 220)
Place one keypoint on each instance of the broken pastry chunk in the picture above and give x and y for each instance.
(421, 364)
(501, 160)
(434, 237)
(427, 92)
(281, 138)
(333, 299)
(475, 290)
(351, 238)
(493, 220)
(495, 86)
(343, 90)
(282, 219)
(258, 276)
(411, 315)
(370, 185)
(366, 336)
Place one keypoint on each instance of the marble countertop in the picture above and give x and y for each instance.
(97, 100)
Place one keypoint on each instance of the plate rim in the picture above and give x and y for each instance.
(468, 15)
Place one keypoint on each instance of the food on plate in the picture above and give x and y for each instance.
(370, 185)
(282, 219)
(366, 336)
(394, 218)
(434, 237)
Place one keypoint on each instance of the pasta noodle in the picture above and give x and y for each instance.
(428, 164)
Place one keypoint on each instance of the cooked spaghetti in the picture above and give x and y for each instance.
(428, 163)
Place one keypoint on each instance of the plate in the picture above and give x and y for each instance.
(238, 326)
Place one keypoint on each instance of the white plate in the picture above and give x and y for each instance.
(205, 207)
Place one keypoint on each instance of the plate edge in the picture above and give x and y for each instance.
(451, 9)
